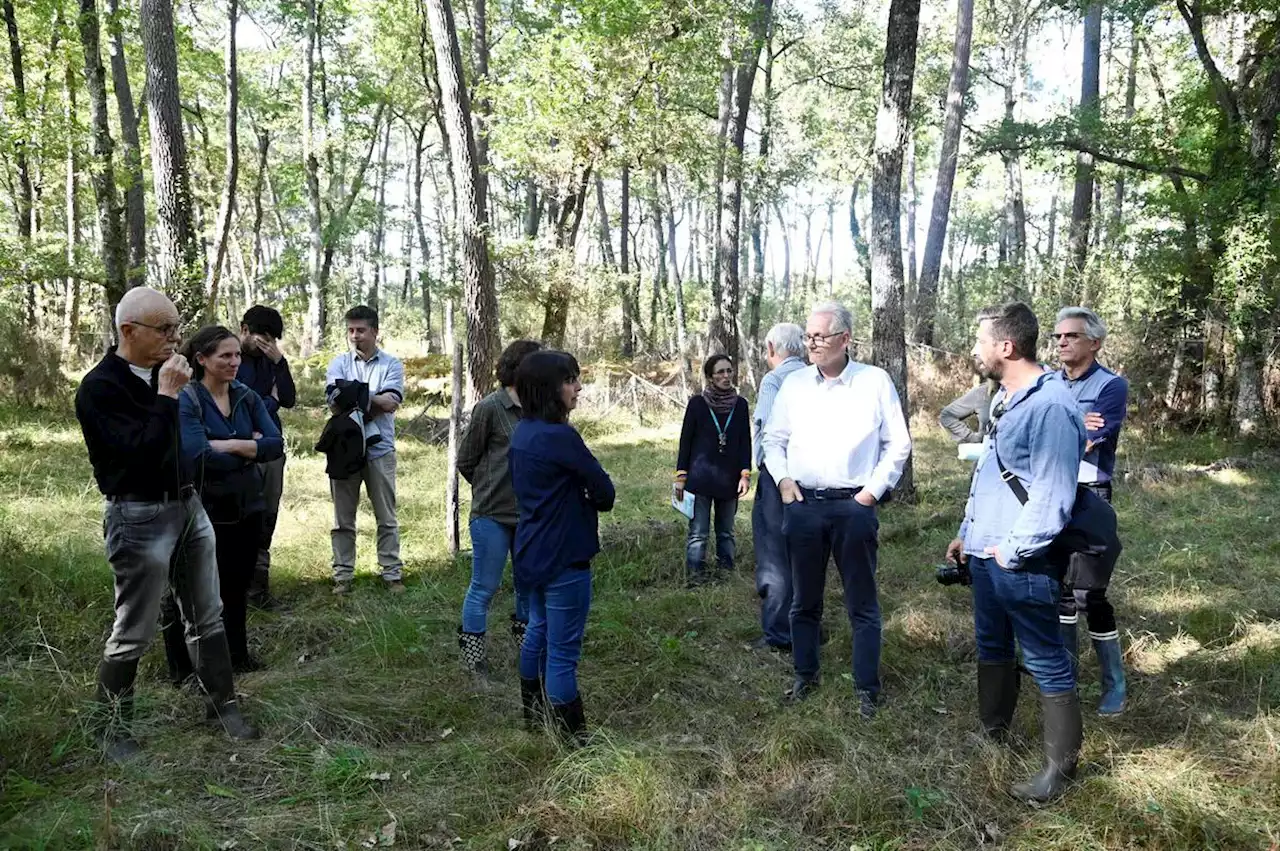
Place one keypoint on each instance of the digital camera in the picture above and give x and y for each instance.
(953, 574)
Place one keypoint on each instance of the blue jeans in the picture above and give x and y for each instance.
(1021, 604)
(773, 570)
(700, 531)
(816, 530)
(491, 541)
(553, 642)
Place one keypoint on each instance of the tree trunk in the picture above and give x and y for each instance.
(624, 266)
(71, 284)
(483, 108)
(135, 205)
(451, 500)
(377, 286)
(25, 198)
(913, 201)
(222, 231)
(855, 232)
(786, 258)
(317, 297)
(481, 298)
(555, 319)
(1053, 226)
(1130, 96)
(939, 213)
(181, 271)
(1082, 200)
(602, 228)
(424, 248)
(888, 340)
(264, 148)
(110, 216)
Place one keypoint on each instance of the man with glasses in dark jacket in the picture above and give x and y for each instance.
(157, 532)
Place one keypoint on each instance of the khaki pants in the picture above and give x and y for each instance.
(379, 479)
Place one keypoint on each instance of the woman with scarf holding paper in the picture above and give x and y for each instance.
(714, 465)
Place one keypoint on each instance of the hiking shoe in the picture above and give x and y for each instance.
(342, 587)
(395, 586)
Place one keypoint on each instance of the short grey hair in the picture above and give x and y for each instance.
(1094, 327)
(786, 337)
(841, 318)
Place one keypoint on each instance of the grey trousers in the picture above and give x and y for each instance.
(153, 546)
(272, 491)
(379, 480)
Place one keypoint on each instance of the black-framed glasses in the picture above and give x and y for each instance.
(169, 329)
(820, 340)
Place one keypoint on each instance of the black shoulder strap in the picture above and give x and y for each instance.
(1009, 478)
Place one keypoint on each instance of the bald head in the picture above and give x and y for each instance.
(148, 327)
(143, 304)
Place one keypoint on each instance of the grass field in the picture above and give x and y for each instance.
(373, 736)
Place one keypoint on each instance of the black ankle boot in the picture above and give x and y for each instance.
(518, 628)
(533, 703)
(997, 697)
(213, 667)
(475, 655)
(1062, 740)
(115, 709)
(571, 721)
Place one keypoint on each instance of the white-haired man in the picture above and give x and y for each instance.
(784, 352)
(1102, 397)
(836, 442)
(157, 532)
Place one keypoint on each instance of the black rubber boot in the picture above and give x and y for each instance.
(115, 708)
(533, 703)
(176, 652)
(475, 655)
(518, 628)
(571, 722)
(997, 697)
(213, 667)
(1063, 736)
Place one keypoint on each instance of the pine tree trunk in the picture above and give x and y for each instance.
(624, 266)
(786, 258)
(1082, 200)
(181, 271)
(1130, 99)
(259, 265)
(135, 205)
(478, 284)
(377, 287)
(71, 284)
(222, 230)
(424, 248)
(893, 122)
(913, 201)
(317, 296)
(110, 216)
(25, 202)
(483, 108)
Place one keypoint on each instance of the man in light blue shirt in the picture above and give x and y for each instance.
(784, 352)
(384, 375)
(1021, 498)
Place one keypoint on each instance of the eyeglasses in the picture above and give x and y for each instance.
(1067, 335)
(820, 340)
(170, 329)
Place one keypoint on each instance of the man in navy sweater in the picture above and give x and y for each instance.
(264, 369)
(1102, 397)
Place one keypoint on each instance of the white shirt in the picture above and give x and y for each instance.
(844, 432)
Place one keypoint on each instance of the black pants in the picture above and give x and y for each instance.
(237, 554)
(1098, 611)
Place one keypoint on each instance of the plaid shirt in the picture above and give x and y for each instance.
(482, 457)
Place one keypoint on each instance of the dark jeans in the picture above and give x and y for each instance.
(553, 642)
(238, 545)
(1023, 605)
(773, 569)
(272, 491)
(154, 547)
(700, 531)
(815, 531)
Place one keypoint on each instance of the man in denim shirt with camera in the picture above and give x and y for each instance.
(1038, 437)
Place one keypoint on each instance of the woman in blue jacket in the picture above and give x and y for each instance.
(559, 488)
(714, 464)
(226, 432)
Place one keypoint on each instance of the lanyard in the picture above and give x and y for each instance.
(719, 430)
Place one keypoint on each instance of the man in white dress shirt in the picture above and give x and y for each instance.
(835, 443)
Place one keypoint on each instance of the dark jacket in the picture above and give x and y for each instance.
(559, 486)
(260, 375)
(711, 472)
(230, 485)
(131, 432)
(342, 443)
(482, 457)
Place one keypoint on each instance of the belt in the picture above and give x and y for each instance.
(821, 494)
(162, 496)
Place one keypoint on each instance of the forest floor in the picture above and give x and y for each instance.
(374, 737)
